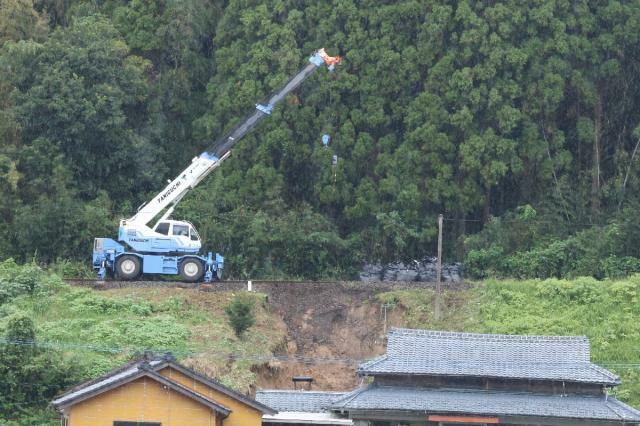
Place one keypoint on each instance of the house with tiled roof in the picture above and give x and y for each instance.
(301, 408)
(157, 392)
(444, 378)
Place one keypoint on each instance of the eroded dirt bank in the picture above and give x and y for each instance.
(331, 327)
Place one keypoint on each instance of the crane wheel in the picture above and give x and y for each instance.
(191, 270)
(128, 267)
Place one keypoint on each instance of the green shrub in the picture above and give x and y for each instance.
(619, 267)
(525, 243)
(483, 263)
(241, 314)
(66, 268)
(16, 280)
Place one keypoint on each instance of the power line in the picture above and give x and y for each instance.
(243, 357)
(190, 353)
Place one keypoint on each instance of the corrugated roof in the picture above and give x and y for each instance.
(291, 400)
(424, 352)
(479, 402)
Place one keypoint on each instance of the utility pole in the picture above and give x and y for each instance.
(439, 268)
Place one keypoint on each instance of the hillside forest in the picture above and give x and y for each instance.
(518, 121)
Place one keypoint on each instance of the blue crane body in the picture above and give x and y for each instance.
(172, 246)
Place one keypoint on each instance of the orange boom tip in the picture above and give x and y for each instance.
(329, 60)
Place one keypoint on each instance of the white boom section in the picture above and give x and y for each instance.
(204, 164)
(199, 168)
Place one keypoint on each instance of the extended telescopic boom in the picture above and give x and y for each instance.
(206, 162)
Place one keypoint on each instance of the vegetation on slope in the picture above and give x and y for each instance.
(80, 334)
(524, 244)
(604, 311)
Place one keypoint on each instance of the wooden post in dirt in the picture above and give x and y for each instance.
(439, 268)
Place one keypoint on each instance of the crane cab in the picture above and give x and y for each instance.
(177, 228)
(181, 234)
(167, 236)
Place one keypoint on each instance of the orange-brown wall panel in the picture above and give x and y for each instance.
(141, 400)
(241, 415)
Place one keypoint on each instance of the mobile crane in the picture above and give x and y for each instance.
(172, 247)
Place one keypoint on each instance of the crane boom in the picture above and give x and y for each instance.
(172, 246)
(206, 162)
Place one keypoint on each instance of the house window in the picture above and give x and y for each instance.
(118, 423)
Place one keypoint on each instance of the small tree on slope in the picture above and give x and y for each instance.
(241, 314)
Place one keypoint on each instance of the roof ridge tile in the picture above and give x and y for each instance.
(605, 372)
(350, 396)
(485, 336)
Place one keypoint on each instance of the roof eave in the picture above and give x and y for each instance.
(218, 386)
(373, 373)
(225, 411)
(479, 413)
(97, 391)
(80, 386)
(622, 411)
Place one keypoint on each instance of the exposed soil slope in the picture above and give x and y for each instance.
(331, 327)
(318, 329)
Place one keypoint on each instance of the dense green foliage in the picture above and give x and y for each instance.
(465, 108)
(79, 333)
(604, 311)
(30, 375)
(524, 246)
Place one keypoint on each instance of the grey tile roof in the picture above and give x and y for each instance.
(137, 368)
(561, 358)
(289, 400)
(479, 402)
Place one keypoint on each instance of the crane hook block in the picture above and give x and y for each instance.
(325, 140)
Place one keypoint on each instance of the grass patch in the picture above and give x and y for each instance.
(109, 327)
(415, 308)
(212, 345)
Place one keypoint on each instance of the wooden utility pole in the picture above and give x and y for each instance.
(439, 268)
